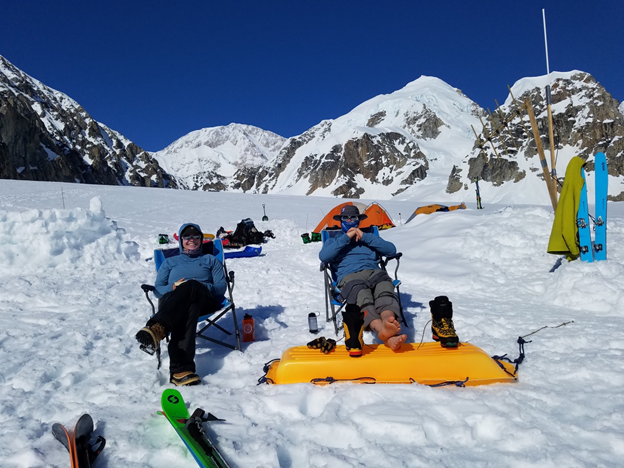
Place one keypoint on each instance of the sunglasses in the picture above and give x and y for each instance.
(348, 218)
(191, 237)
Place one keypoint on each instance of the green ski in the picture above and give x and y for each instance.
(190, 429)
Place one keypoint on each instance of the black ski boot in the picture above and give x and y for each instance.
(442, 327)
(353, 321)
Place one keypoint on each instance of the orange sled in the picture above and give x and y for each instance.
(427, 363)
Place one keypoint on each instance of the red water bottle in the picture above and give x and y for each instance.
(248, 328)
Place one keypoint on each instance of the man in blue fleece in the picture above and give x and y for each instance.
(187, 285)
(367, 289)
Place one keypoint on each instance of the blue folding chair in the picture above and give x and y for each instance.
(333, 301)
(226, 302)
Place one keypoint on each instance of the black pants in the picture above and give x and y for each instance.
(178, 312)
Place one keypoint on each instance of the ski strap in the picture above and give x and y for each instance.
(331, 380)
(94, 452)
(265, 369)
(457, 383)
(516, 361)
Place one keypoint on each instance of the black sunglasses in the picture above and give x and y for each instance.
(191, 237)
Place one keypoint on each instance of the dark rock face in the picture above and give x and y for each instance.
(585, 117)
(378, 159)
(44, 135)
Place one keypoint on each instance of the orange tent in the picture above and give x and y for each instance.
(435, 208)
(377, 216)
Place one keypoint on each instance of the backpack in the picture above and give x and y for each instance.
(246, 233)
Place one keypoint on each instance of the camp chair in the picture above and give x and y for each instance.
(333, 302)
(210, 319)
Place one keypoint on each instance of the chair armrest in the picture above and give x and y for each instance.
(395, 256)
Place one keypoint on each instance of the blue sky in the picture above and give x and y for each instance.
(157, 70)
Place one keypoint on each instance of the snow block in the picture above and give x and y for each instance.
(427, 363)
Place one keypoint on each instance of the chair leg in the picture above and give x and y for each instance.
(403, 320)
(212, 322)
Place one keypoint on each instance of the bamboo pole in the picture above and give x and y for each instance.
(498, 132)
(488, 138)
(552, 189)
(551, 136)
(548, 104)
(480, 145)
(505, 124)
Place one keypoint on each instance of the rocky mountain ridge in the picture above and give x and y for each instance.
(417, 142)
(45, 135)
(586, 120)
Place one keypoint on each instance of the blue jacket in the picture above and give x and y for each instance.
(203, 268)
(349, 256)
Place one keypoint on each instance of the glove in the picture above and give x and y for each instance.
(328, 346)
(316, 343)
(325, 345)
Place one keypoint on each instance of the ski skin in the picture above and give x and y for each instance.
(602, 188)
(203, 450)
(582, 222)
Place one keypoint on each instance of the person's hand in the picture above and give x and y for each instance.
(178, 283)
(355, 233)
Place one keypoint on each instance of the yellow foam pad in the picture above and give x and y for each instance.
(425, 363)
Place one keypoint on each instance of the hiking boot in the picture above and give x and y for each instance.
(353, 321)
(187, 378)
(442, 327)
(150, 337)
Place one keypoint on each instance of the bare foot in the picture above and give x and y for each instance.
(395, 342)
(389, 333)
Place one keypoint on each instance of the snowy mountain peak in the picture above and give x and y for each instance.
(206, 158)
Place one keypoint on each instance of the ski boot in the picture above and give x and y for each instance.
(442, 327)
(353, 321)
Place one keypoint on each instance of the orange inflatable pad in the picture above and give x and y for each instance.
(427, 363)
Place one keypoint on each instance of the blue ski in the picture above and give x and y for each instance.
(602, 185)
(582, 222)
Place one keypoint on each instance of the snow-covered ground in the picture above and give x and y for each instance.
(70, 304)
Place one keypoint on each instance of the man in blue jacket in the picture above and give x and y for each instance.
(187, 285)
(367, 289)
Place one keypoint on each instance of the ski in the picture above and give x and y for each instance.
(86, 453)
(479, 206)
(190, 429)
(64, 437)
(582, 222)
(81, 452)
(602, 186)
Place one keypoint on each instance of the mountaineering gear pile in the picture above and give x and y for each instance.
(245, 234)
(442, 327)
(190, 429)
(325, 345)
(81, 452)
(353, 320)
(185, 378)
